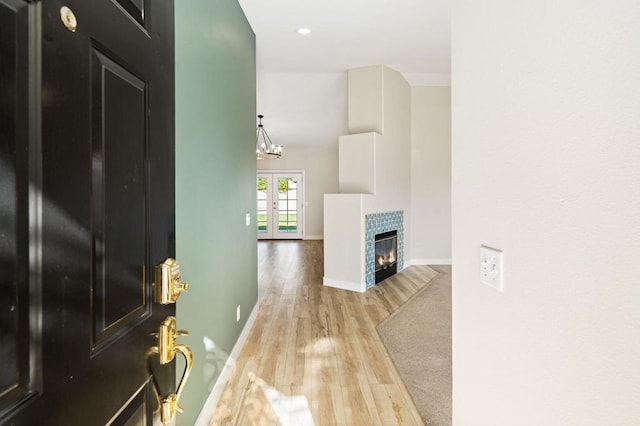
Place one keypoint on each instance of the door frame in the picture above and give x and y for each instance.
(303, 203)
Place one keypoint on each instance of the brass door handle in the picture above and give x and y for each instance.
(167, 350)
(170, 404)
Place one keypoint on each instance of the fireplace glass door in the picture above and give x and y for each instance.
(386, 258)
(279, 197)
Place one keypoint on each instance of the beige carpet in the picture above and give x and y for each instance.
(418, 339)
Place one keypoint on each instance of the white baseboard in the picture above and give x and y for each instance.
(313, 237)
(344, 285)
(415, 262)
(212, 400)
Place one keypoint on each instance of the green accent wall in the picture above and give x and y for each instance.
(215, 185)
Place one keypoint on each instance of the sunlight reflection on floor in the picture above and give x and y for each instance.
(324, 346)
(291, 410)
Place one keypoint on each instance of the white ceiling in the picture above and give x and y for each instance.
(410, 36)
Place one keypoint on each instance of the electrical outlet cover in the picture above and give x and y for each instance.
(491, 267)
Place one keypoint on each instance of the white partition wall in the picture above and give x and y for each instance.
(357, 163)
(431, 175)
(546, 155)
(366, 99)
(374, 172)
(344, 241)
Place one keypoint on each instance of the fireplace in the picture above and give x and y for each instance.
(386, 255)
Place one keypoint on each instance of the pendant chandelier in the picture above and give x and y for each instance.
(265, 149)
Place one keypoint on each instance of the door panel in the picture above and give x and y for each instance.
(8, 220)
(136, 411)
(135, 9)
(19, 299)
(119, 158)
(89, 209)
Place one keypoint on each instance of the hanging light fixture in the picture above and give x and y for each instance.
(265, 149)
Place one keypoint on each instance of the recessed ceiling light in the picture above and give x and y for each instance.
(304, 31)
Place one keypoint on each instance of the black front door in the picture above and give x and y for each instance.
(86, 208)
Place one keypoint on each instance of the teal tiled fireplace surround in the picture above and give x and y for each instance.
(377, 223)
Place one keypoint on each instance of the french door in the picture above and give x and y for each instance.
(279, 197)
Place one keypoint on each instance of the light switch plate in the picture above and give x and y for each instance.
(247, 219)
(491, 267)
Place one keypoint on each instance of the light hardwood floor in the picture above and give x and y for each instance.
(318, 342)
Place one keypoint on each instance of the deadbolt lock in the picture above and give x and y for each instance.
(68, 19)
(167, 284)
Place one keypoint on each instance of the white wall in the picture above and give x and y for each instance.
(320, 165)
(344, 243)
(546, 166)
(431, 175)
(366, 99)
(393, 156)
(357, 163)
(303, 109)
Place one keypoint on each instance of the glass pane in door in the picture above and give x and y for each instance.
(262, 215)
(287, 205)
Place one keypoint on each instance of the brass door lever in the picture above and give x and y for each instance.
(166, 350)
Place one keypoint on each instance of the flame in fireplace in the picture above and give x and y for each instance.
(387, 260)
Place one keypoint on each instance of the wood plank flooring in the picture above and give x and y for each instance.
(318, 342)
